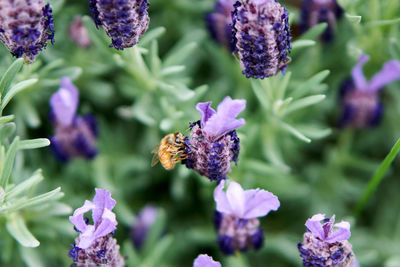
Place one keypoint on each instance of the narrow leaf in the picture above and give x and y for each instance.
(151, 35)
(295, 132)
(303, 103)
(5, 119)
(10, 74)
(33, 143)
(35, 179)
(15, 90)
(383, 22)
(16, 227)
(353, 18)
(306, 87)
(8, 164)
(31, 257)
(315, 31)
(302, 44)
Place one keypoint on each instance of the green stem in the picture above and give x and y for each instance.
(377, 178)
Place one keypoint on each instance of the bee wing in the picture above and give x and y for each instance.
(155, 158)
(156, 148)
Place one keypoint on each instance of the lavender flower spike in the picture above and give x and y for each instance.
(213, 141)
(261, 37)
(317, 11)
(74, 135)
(123, 20)
(25, 27)
(142, 225)
(326, 244)
(204, 260)
(237, 213)
(219, 23)
(95, 245)
(360, 101)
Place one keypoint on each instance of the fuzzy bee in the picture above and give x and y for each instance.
(169, 151)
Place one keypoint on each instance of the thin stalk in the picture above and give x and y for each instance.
(377, 178)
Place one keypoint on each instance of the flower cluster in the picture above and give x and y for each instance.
(261, 37)
(74, 136)
(205, 261)
(317, 11)
(213, 142)
(142, 225)
(95, 245)
(25, 27)
(360, 101)
(123, 20)
(326, 244)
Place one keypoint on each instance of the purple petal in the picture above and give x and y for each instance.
(341, 233)
(389, 73)
(148, 215)
(86, 238)
(77, 217)
(225, 119)
(357, 73)
(259, 203)
(206, 112)
(236, 197)
(64, 102)
(315, 226)
(221, 199)
(107, 225)
(102, 201)
(205, 261)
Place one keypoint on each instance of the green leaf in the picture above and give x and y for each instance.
(315, 32)
(10, 74)
(312, 83)
(49, 196)
(302, 44)
(303, 103)
(353, 18)
(259, 92)
(133, 257)
(32, 181)
(151, 35)
(154, 233)
(379, 23)
(5, 119)
(176, 57)
(158, 252)
(33, 143)
(31, 257)
(295, 132)
(8, 164)
(15, 90)
(16, 227)
(172, 70)
(6, 130)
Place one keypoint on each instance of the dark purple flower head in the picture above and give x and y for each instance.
(204, 260)
(360, 101)
(78, 33)
(123, 20)
(238, 211)
(326, 244)
(213, 142)
(318, 11)
(219, 23)
(95, 245)
(142, 225)
(261, 37)
(25, 27)
(75, 136)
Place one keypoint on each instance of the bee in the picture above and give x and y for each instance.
(169, 151)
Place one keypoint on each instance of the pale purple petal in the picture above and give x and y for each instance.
(205, 261)
(102, 201)
(77, 217)
(259, 203)
(206, 111)
(64, 102)
(86, 238)
(225, 119)
(389, 73)
(220, 198)
(358, 75)
(148, 215)
(341, 233)
(236, 197)
(107, 225)
(315, 226)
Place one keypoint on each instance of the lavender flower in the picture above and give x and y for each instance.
(360, 101)
(74, 135)
(326, 244)
(237, 213)
(123, 20)
(261, 37)
(204, 260)
(95, 245)
(142, 225)
(213, 142)
(219, 23)
(78, 33)
(25, 27)
(317, 11)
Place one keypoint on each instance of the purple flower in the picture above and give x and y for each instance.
(360, 101)
(25, 27)
(78, 33)
(142, 225)
(74, 135)
(219, 23)
(95, 244)
(261, 37)
(123, 20)
(326, 244)
(237, 213)
(318, 11)
(204, 260)
(213, 142)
